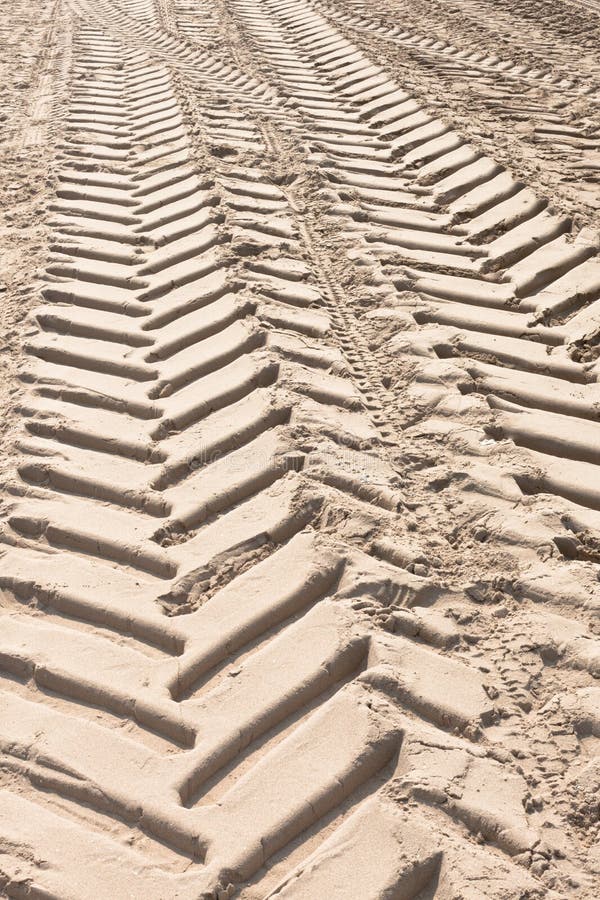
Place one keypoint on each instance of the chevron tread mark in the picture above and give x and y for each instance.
(226, 664)
(541, 105)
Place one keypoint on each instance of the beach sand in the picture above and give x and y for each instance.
(300, 513)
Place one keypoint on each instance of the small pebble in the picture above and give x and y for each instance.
(500, 613)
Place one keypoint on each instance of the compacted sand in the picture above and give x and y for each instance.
(300, 522)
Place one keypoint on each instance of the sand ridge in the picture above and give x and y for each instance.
(299, 557)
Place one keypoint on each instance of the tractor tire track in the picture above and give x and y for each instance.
(218, 632)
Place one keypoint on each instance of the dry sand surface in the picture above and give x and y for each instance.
(300, 518)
